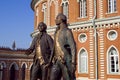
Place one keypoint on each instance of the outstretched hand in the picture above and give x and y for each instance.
(47, 65)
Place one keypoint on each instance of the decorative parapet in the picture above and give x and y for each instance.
(4, 48)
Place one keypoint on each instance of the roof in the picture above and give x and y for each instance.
(33, 2)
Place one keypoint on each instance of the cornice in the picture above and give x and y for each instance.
(82, 25)
(7, 55)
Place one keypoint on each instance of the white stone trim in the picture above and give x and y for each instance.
(23, 64)
(91, 49)
(90, 9)
(30, 66)
(82, 78)
(101, 8)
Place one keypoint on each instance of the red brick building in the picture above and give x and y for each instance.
(14, 64)
(96, 28)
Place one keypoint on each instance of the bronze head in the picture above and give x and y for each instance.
(42, 27)
(61, 18)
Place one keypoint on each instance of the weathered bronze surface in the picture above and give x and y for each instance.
(64, 61)
(54, 61)
(42, 47)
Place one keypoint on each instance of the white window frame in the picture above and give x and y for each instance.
(81, 39)
(65, 6)
(80, 59)
(1, 71)
(44, 10)
(109, 56)
(112, 6)
(83, 8)
(110, 36)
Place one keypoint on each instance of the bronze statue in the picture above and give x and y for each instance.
(64, 61)
(42, 45)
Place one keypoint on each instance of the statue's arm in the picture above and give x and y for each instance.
(71, 42)
(31, 48)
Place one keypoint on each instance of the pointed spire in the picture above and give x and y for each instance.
(14, 45)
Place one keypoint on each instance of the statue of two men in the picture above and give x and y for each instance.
(61, 53)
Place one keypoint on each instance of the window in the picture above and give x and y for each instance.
(113, 61)
(65, 7)
(82, 37)
(12, 73)
(23, 72)
(83, 61)
(44, 10)
(111, 6)
(112, 35)
(83, 8)
(1, 72)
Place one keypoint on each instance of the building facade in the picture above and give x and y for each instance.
(96, 28)
(14, 64)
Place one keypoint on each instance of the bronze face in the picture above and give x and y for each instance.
(58, 20)
(41, 28)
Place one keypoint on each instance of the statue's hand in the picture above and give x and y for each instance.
(47, 65)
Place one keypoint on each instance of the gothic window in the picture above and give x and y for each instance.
(65, 7)
(1, 72)
(83, 8)
(112, 6)
(23, 71)
(12, 72)
(44, 10)
(83, 63)
(113, 63)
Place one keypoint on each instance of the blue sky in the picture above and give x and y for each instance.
(16, 23)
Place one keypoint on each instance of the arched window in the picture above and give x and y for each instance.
(44, 10)
(113, 63)
(83, 8)
(65, 8)
(112, 6)
(2, 68)
(12, 72)
(1, 71)
(83, 63)
(23, 71)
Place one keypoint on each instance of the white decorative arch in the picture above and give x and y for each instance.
(50, 2)
(79, 57)
(64, 2)
(16, 66)
(56, 9)
(112, 46)
(23, 64)
(30, 66)
(4, 64)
